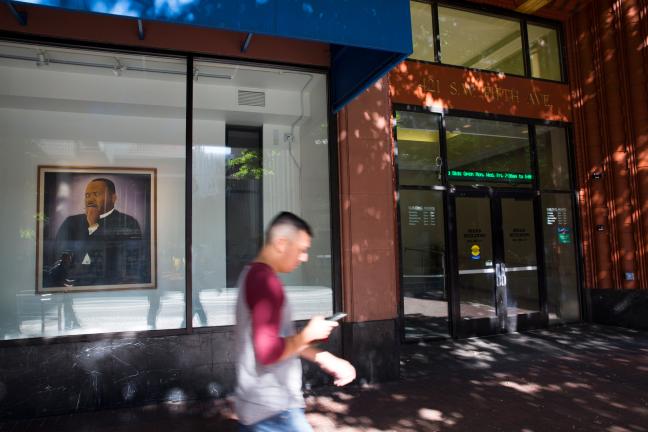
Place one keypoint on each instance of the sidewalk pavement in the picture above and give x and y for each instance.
(572, 378)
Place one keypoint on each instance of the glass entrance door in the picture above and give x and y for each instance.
(496, 258)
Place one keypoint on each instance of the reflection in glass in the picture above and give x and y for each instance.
(545, 52)
(422, 31)
(560, 257)
(250, 163)
(520, 256)
(475, 257)
(488, 152)
(89, 109)
(419, 155)
(553, 161)
(480, 41)
(423, 263)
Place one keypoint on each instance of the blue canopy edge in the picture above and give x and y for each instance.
(353, 70)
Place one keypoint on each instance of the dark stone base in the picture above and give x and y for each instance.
(68, 377)
(374, 349)
(624, 308)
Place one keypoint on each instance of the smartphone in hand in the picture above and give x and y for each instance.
(336, 317)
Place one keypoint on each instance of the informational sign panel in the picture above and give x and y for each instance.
(491, 176)
(421, 215)
(557, 216)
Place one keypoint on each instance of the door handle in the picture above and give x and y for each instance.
(503, 270)
(498, 274)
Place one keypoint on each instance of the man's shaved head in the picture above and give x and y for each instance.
(286, 225)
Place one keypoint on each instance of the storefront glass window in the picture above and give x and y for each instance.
(553, 161)
(260, 147)
(422, 227)
(423, 263)
(560, 257)
(419, 154)
(479, 41)
(545, 52)
(93, 180)
(486, 152)
(422, 31)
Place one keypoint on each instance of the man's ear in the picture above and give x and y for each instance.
(280, 244)
(113, 199)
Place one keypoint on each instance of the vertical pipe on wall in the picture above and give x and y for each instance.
(635, 31)
(344, 177)
(583, 167)
(189, 197)
(617, 138)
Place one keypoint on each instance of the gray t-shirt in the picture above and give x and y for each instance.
(263, 391)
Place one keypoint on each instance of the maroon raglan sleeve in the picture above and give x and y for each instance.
(264, 296)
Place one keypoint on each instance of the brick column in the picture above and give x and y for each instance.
(368, 234)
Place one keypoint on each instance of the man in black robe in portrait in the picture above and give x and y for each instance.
(101, 246)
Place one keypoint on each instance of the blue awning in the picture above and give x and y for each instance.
(367, 37)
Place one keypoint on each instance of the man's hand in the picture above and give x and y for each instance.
(317, 329)
(341, 370)
(92, 215)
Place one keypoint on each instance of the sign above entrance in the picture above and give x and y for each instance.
(442, 88)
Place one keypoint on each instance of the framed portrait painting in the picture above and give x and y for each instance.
(96, 229)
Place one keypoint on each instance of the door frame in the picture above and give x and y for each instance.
(447, 188)
(463, 327)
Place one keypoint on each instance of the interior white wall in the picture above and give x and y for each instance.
(282, 178)
(218, 101)
(315, 195)
(32, 137)
(209, 230)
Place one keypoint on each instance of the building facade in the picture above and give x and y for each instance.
(492, 182)
(546, 231)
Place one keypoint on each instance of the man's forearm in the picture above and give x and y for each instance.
(310, 353)
(293, 345)
(317, 356)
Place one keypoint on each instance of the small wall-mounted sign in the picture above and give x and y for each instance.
(629, 276)
(564, 235)
(600, 227)
(597, 175)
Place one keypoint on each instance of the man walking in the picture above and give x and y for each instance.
(268, 394)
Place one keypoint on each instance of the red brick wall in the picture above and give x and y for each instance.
(606, 43)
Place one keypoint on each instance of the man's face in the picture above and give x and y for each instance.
(97, 196)
(295, 251)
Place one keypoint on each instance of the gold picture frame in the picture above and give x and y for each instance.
(96, 229)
